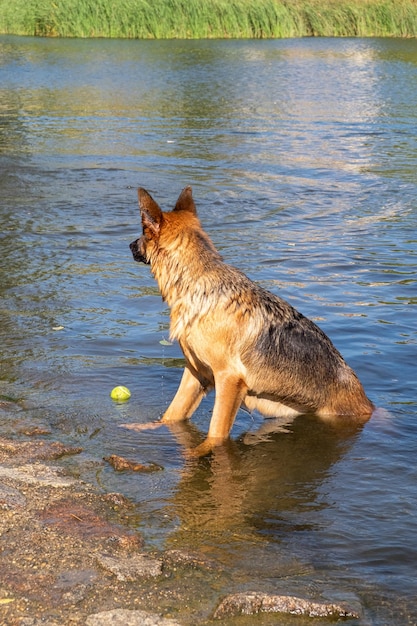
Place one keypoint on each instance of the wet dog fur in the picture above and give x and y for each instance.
(249, 345)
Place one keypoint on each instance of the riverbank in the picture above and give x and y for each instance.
(200, 19)
(71, 554)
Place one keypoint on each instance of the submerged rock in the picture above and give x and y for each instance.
(120, 464)
(250, 603)
(37, 474)
(189, 558)
(26, 451)
(83, 520)
(131, 568)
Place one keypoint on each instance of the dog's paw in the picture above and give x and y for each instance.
(204, 449)
(139, 427)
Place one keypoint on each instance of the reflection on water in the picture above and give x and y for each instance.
(255, 478)
(302, 158)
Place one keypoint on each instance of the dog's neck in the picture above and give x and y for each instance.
(185, 278)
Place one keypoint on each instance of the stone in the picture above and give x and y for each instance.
(37, 474)
(10, 498)
(250, 603)
(24, 451)
(131, 568)
(189, 558)
(125, 617)
(120, 464)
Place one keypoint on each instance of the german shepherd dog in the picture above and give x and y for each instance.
(249, 345)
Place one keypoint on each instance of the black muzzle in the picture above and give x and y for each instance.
(135, 248)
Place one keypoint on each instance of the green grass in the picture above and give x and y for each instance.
(197, 19)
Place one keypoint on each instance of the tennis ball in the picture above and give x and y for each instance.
(120, 394)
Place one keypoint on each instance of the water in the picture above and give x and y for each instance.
(303, 160)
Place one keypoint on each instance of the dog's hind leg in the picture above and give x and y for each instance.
(186, 400)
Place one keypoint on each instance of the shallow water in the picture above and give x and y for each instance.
(302, 157)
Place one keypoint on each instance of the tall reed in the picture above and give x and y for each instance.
(186, 19)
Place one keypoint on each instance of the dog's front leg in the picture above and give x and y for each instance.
(186, 400)
(230, 392)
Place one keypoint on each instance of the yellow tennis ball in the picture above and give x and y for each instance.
(120, 394)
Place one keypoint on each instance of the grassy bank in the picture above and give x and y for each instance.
(163, 19)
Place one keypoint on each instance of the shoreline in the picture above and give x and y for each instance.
(72, 554)
(200, 19)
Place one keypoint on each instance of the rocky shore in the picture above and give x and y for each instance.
(71, 555)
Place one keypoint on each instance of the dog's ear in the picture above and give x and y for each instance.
(185, 201)
(150, 211)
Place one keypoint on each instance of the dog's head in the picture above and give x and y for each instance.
(153, 220)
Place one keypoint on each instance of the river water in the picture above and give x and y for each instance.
(302, 156)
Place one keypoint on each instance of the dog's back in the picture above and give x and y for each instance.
(293, 361)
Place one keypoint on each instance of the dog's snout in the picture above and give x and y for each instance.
(137, 252)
